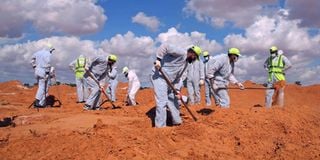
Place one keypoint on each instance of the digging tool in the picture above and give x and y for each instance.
(176, 92)
(247, 88)
(101, 88)
(45, 89)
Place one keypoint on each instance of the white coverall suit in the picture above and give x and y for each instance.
(195, 73)
(208, 89)
(41, 62)
(273, 78)
(133, 88)
(220, 72)
(173, 62)
(99, 68)
(112, 79)
(82, 88)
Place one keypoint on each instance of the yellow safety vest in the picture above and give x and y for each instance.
(80, 65)
(276, 68)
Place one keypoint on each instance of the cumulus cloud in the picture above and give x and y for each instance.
(307, 11)
(218, 12)
(74, 17)
(185, 40)
(150, 22)
(307, 76)
(298, 46)
(135, 52)
(138, 52)
(15, 59)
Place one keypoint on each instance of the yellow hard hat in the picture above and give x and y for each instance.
(234, 51)
(205, 53)
(112, 57)
(125, 70)
(49, 46)
(273, 49)
(197, 50)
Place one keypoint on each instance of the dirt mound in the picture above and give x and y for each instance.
(245, 131)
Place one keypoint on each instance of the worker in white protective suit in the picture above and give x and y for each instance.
(173, 62)
(78, 67)
(41, 62)
(133, 87)
(208, 89)
(101, 68)
(220, 73)
(276, 65)
(195, 78)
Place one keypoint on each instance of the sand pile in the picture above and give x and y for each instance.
(245, 131)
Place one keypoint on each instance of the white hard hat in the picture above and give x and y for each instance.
(125, 70)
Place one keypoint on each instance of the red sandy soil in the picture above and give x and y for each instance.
(245, 131)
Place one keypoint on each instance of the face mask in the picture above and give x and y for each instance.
(110, 63)
(206, 58)
(52, 50)
(189, 60)
(235, 59)
(273, 55)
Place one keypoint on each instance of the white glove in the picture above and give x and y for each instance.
(46, 76)
(178, 95)
(201, 82)
(53, 81)
(86, 68)
(157, 64)
(240, 85)
(215, 86)
(101, 85)
(52, 72)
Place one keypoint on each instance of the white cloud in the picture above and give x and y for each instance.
(72, 17)
(217, 12)
(186, 40)
(266, 32)
(307, 11)
(135, 52)
(150, 22)
(298, 46)
(139, 52)
(307, 76)
(15, 59)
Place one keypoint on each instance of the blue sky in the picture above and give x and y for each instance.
(134, 29)
(168, 12)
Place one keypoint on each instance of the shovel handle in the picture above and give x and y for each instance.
(101, 88)
(176, 92)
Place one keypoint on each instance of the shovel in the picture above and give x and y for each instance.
(176, 92)
(247, 88)
(101, 88)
